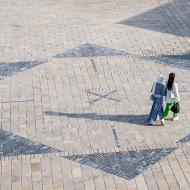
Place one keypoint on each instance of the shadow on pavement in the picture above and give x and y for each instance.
(135, 119)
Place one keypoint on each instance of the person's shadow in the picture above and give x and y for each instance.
(135, 119)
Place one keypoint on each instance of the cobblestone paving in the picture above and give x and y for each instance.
(12, 145)
(90, 50)
(122, 164)
(75, 85)
(9, 69)
(179, 61)
(185, 139)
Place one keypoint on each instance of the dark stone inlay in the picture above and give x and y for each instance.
(96, 95)
(180, 61)
(11, 144)
(115, 136)
(185, 56)
(94, 65)
(185, 139)
(90, 50)
(8, 69)
(164, 19)
(123, 164)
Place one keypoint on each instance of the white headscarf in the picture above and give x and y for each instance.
(159, 79)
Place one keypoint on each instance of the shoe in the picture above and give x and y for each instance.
(176, 118)
(149, 123)
(162, 122)
(166, 118)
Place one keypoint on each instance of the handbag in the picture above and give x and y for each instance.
(175, 108)
(152, 97)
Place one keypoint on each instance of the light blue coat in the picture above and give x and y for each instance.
(158, 92)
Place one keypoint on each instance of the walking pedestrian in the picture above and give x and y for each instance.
(172, 96)
(157, 93)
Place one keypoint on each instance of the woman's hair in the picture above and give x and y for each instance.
(170, 81)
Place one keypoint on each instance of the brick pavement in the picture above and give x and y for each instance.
(74, 93)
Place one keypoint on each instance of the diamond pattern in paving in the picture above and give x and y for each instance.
(185, 139)
(11, 144)
(179, 61)
(123, 164)
(158, 19)
(84, 48)
(90, 50)
(8, 69)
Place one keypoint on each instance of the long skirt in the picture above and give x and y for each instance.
(157, 110)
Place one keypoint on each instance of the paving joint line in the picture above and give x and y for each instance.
(115, 136)
(93, 151)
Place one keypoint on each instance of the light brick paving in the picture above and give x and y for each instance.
(72, 71)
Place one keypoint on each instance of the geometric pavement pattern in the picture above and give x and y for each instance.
(95, 95)
(180, 61)
(11, 144)
(158, 19)
(8, 69)
(122, 164)
(89, 50)
(185, 139)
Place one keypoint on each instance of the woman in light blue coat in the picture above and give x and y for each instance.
(158, 92)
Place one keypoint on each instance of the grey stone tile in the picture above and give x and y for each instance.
(90, 50)
(123, 164)
(11, 144)
(8, 69)
(185, 139)
(163, 19)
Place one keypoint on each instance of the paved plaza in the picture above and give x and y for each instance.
(75, 80)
